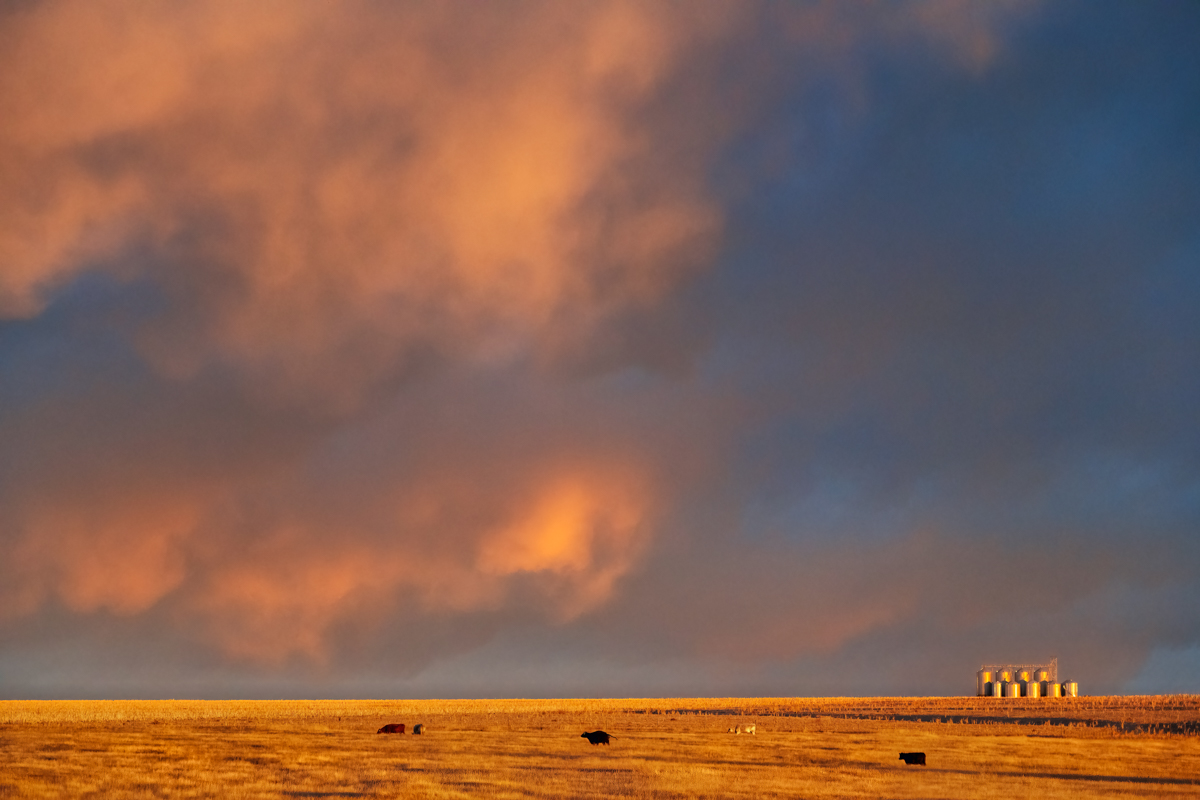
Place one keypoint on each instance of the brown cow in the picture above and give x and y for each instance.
(395, 727)
(913, 758)
(597, 737)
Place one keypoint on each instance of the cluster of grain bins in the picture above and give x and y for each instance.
(1023, 680)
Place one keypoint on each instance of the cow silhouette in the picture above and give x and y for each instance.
(597, 737)
(913, 758)
(418, 729)
(395, 727)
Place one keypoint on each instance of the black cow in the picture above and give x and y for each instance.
(395, 727)
(913, 758)
(597, 737)
(418, 729)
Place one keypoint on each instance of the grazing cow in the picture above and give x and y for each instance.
(597, 737)
(913, 758)
(735, 730)
(418, 729)
(750, 729)
(395, 727)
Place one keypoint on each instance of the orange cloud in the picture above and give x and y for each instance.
(399, 177)
(317, 191)
(281, 595)
(121, 556)
(584, 535)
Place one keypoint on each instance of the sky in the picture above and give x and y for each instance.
(533, 349)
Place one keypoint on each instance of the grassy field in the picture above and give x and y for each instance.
(976, 748)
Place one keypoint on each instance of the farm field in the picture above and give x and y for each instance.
(669, 748)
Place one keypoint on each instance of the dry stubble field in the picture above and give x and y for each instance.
(671, 748)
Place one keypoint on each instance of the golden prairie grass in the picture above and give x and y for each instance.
(670, 748)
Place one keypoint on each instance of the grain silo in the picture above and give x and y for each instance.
(1023, 680)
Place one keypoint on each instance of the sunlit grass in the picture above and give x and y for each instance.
(981, 748)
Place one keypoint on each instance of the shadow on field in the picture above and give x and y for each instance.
(1109, 778)
(1184, 728)
(1068, 776)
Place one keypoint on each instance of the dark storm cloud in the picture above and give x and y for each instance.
(976, 360)
(818, 349)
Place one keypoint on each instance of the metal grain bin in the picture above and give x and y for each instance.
(1070, 689)
(1014, 689)
(1033, 689)
(985, 683)
(1043, 675)
(1005, 675)
(1054, 689)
